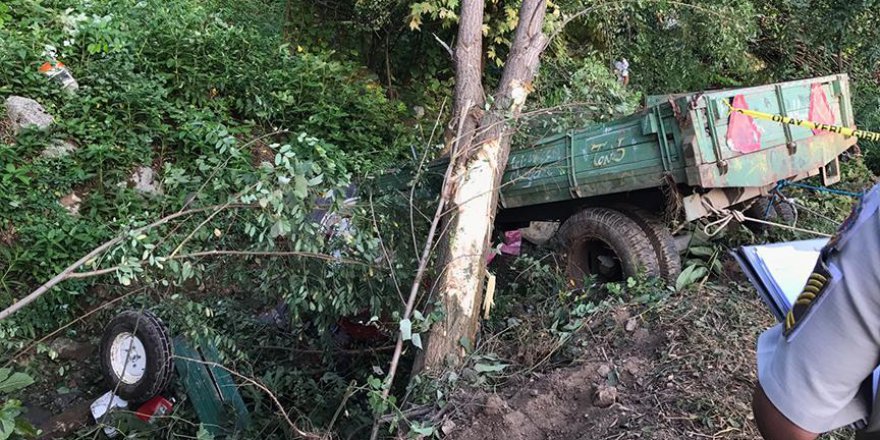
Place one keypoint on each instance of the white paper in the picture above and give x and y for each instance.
(789, 267)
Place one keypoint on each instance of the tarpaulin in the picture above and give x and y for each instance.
(742, 131)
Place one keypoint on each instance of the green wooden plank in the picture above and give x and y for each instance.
(211, 389)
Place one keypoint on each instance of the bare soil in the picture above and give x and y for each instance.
(683, 368)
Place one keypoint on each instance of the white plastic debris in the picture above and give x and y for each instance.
(103, 406)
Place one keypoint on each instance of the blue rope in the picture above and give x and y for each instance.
(770, 205)
(839, 192)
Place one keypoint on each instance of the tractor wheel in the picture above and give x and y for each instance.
(763, 210)
(661, 239)
(136, 356)
(606, 244)
(786, 212)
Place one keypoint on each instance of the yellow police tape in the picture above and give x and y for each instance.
(846, 131)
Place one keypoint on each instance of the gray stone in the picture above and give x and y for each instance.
(71, 203)
(73, 418)
(539, 233)
(447, 427)
(26, 113)
(604, 396)
(36, 414)
(144, 180)
(58, 149)
(71, 350)
(495, 406)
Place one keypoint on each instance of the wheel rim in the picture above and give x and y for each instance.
(595, 257)
(127, 347)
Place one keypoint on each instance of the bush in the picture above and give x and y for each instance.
(176, 86)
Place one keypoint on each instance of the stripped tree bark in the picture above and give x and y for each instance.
(483, 148)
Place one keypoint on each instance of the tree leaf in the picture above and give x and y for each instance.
(417, 340)
(489, 368)
(300, 187)
(15, 382)
(690, 275)
(422, 430)
(406, 329)
(204, 434)
(702, 251)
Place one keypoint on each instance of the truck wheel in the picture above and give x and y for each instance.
(786, 212)
(661, 239)
(759, 210)
(136, 356)
(606, 244)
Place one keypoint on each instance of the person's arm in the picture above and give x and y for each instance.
(811, 367)
(771, 423)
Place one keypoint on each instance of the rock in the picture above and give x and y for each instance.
(27, 113)
(71, 203)
(66, 400)
(631, 324)
(36, 415)
(70, 350)
(447, 427)
(633, 366)
(539, 233)
(494, 406)
(58, 149)
(144, 180)
(469, 375)
(603, 370)
(534, 393)
(67, 422)
(604, 396)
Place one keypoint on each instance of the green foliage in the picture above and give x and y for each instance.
(184, 85)
(10, 381)
(175, 86)
(700, 260)
(11, 421)
(671, 47)
(577, 93)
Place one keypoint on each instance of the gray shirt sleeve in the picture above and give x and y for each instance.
(812, 372)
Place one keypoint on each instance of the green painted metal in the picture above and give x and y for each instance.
(679, 138)
(211, 389)
(636, 152)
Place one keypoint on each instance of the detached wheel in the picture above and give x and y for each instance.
(606, 244)
(661, 239)
(780, 211)
(786, 212)
(136, 356)
(761, 209)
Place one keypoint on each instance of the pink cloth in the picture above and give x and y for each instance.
(512, 245)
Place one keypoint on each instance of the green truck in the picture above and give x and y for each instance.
(684, 156)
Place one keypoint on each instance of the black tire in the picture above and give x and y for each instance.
(156, 340)
(595, 235)
(786, 212)
(760, 210)
(661, 239)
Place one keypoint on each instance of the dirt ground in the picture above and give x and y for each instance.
(683, 368)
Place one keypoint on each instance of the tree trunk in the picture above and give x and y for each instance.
(468, 95)
(479, 162)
